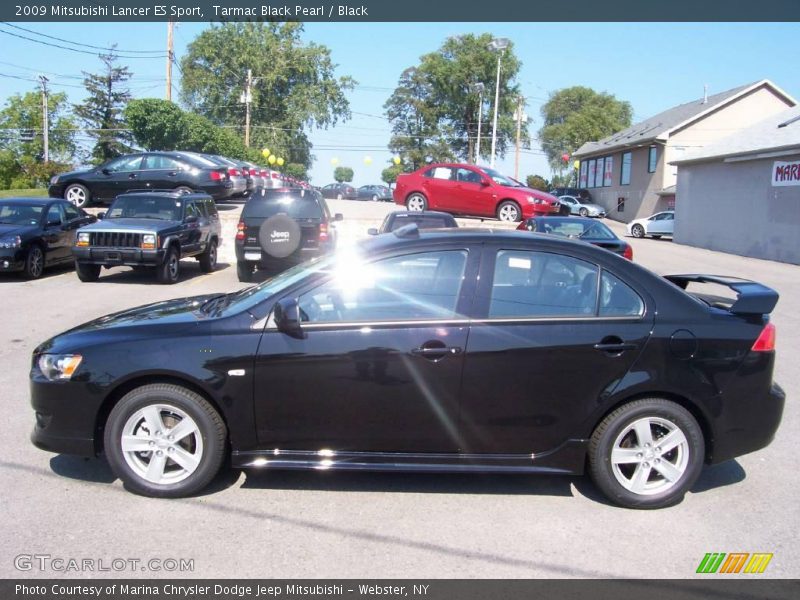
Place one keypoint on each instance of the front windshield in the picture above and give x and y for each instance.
(20, 214)
(501, 179)
(146, 207)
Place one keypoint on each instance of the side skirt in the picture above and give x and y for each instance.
(567, 459)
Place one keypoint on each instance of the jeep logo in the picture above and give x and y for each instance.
(279, 236)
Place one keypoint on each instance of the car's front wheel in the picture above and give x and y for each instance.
(646, 454)
(34, 263)
(637, 231)
(87, 273)
(509, 212)
(416, 202)
(78, 194)
(169, 271)
(583, 212)
(165, 441)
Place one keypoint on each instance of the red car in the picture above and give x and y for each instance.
(471, 190)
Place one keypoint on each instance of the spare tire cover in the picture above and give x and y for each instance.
(279, 236)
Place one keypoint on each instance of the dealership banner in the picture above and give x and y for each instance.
(786, 173)
(406, 10)
(429, 589)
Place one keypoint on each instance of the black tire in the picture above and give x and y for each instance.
(684, 462)
(583, 212)
(78, 194)
(183, 189)
(637, 231)
(416, 202)
(509, 211)
(87, 273)
(211, 431)
(208, 259)
(34, 262)
(374, 197)
(244, 271)
(169, 271)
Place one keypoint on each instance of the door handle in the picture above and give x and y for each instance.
(615, 347)
(172, 174)
(436, 351)
(132, 176)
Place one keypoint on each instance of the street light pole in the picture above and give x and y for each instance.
(479, 87)
(497, 44)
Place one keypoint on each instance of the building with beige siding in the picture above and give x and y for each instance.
(631, 173)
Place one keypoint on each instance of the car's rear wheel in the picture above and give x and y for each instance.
(637, 231)
(417, 202)
(646, 454)
(87, 273)
(509, 212)
(208, 259)
(169, 270)
(34, 263)
(78, 194)
(183, 189)
(244, 271)
(374, 197)
(583, 212)
(165, 441)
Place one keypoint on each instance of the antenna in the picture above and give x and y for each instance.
(705, 93)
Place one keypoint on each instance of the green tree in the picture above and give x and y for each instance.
(294, 84)
(576, 115)
(343, 174)
(295, 170)
(21, 159)
(537, 182)
(101, 111)
(434, 110)
(389, 174)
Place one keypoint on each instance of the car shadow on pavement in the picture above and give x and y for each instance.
(92, 470)
(49, 273)
(147, 276)
(412, 483)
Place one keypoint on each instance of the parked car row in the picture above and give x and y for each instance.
(220, 177)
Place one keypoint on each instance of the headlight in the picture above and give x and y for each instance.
(59, 366)
(148, 241)
(535, 200)
(54, 179)
(83, 239)
(12, 241)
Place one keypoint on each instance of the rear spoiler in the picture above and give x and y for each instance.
(751, 298)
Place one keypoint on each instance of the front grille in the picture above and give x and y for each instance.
(115, 239)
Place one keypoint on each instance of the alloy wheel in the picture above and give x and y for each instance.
(508, 213)
(76, 195)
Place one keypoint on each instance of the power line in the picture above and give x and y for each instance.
(58, 39)
(22, 37)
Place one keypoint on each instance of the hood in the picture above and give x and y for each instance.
(130, 224)
(148, 320)
(9, 229)
(535, 193)
(77, 173)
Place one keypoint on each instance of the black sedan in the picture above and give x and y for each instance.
(36, 233)
(467, 350)
(181, 171)
(339, 191)
(424, 219)
(581, 228)
(375, 193)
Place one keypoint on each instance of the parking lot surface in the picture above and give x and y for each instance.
(326, 524)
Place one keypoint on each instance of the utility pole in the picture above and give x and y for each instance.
(479, 87)
(519, 116)
(45, 124)
(170, 57)
(247, 98)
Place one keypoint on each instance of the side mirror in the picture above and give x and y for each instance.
(101, 215)
(105, 171)
(485, 182)
(372, 231)
(338, 217)
(287, 318)
(190, 219)
(54, 223)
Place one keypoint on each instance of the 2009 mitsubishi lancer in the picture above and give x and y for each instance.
(460, 350)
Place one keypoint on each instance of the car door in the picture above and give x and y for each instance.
(571, 202)
(554, 333)
(117, 177)
(56, 235)
(438, 186)
(378, 368)
(75, 218)
(160, 172)
(470, 195)
(193, 234)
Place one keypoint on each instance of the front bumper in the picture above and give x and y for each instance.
(113, 257)
(11, 259)
(61, 426)
(55, 190)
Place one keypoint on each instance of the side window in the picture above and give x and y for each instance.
(55, 215)
(125, 163)
(71, 212)
(467, 176)
(542, 284)
(158, 161)
(191, 209)
(440, 173)
(617, 299)
(211, 208)
(403, 288)
(200, 207)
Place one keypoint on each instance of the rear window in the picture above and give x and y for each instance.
(268, 203)
(422, 222)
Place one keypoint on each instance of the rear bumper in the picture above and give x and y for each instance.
(118, 256)
(256, 256)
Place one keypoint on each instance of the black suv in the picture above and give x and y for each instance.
(179, 171)
(283, 227)
(150, 229)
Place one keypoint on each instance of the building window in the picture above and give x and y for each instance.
(625, 171)
(598, 178)
(652, 159)
(592, 167)
(609, 172)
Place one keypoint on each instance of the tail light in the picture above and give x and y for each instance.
(323, 232)
(216, 175)
(264, 173)
(275, 175)
(234, 172)
(766, 340)
(628, 252)
(254, 172)
(240, 231)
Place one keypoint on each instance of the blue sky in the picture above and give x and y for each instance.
(652, 65)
